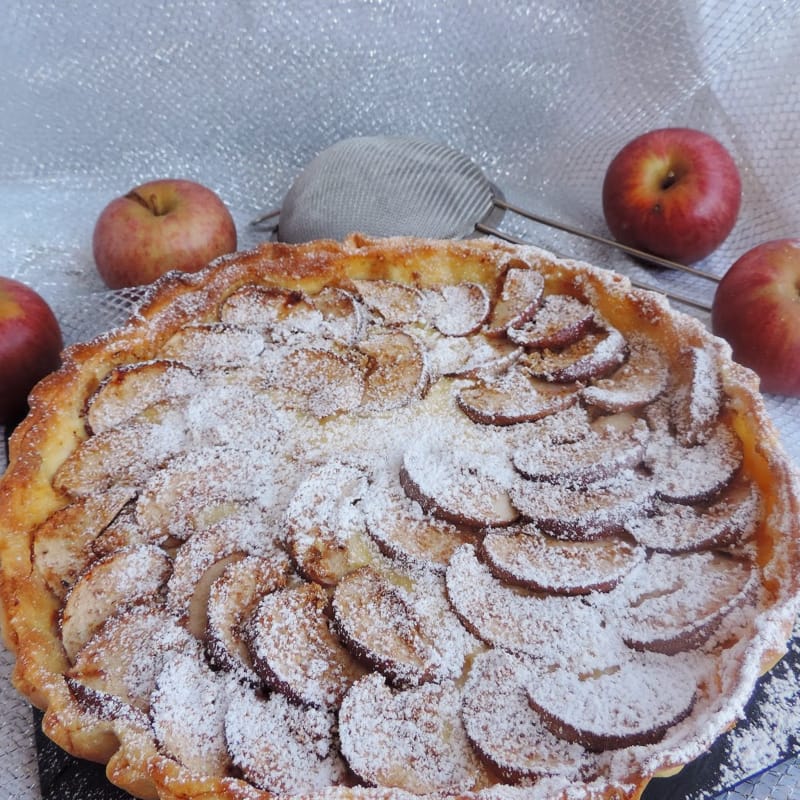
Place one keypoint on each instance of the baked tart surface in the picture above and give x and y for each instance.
(387, 518)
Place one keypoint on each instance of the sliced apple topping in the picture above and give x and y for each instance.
(281, 314)
(596, 354)
(214, 343)
(729, 521)
(674, 603)
(505, 730)
(529, 558)
(294, 650)
(518, 299)
(639, 381)
(59, 559)
(343, 316)
(612, 444)
(512, 398)
(129, 650)
(469, 356)
(231, 599)
(396, 371)
(123, 577)
(129, 389)
(404, 532)
(188, 710)
(319, 382)
(459, 309)
(325, 530)
(696, 473)
(281, 747)
(559, 321)
(696, 405)
(631, 703)
(413, 740)
(390, 302)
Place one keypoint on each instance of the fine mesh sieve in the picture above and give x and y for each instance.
(405, 186)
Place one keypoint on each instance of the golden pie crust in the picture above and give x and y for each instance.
(399, 517)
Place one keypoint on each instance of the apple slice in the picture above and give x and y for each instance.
(318, 382)
(696, 406)
(125, 576)
(513, 398)
(613, 444)
(471, 356)
(404, 532)
(217, 343)
(506, 731)
(458, 484)
(281, 747)
(693, 474)
(584, 512)
(129, 389)
(325, 531)
(634, 702)
(729, 521)
(343, 316)
(60, 560)
(596, 354)
(559, 321)
(638, 382)
(125, 531)
(231, 599)
(518, 298)
(459, 309)
(674, 603)
(390, 302)
(529, 558)
(129, 650)
(280, 314)
(412, 740)
(187, 709)
(396, 371)
(294, 650)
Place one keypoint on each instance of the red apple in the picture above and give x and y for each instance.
(672, 192)
(161, 226)
(30, 346)
(757, 309)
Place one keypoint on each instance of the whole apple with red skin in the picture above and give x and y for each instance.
(756, 309)
(163, 225)
(30, 346)
(672, 192)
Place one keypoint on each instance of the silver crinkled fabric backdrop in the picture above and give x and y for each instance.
(98, 96)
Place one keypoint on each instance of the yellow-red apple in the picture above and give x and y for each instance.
(756, 309)
(672, 192)
(30, 346)
(163, 225)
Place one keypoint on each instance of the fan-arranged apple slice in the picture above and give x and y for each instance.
(596, 354)
(472, 356)
(559, 321)
(392, 303)
(282, 747)
(187, 709)
(459, 309)
(123, 577)
(503, 727)
(631, 703)
(639, 381)
(60, 560)
(129, 389)
(343, 316)
(128, 651)
(529, 558)
(730, 520)
(612, 444)
(518, 298)
(512, 398)
(294, 650)
(697, 473)
(214, 343)
(458, 484)
(696, 407)
(325, 530)
(280, 314)
(413, 740)
(674, 603)
(396, 371)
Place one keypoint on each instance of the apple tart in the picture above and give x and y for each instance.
(395, 518)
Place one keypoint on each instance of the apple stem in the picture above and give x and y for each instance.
(151, 203)
(669, 179)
